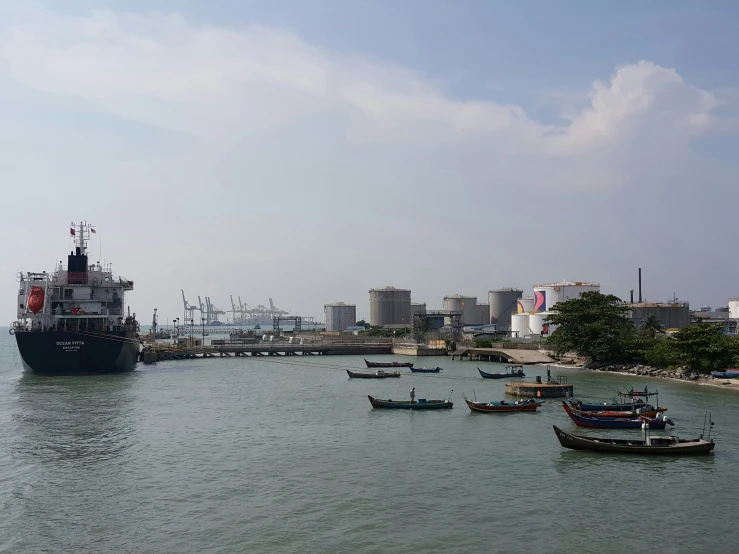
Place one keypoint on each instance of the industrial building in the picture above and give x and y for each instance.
(340, 316)
(390, 306)
(503, 303)
(672, 316)
(533, 312)
(706, 315)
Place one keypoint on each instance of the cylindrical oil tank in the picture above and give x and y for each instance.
(483, 314)
(503, 303)
(525, 305)
(466, 305)
(390, 306)
(417, 308)
(520, 325)
(340, 316)
(536, 322)
(547, 296)
(733, 308)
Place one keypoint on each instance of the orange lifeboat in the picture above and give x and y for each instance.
(36, 299)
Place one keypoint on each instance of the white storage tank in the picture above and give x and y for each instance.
(525, 305)
(340, 316)
(520, 325)
(390, 306)
(538, 325)
(733, 308)
(503, 304)
(547, 296)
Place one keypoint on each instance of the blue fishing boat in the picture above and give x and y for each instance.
(728, 374)
(420, 404)
(659, 422)
(425, 369)
(511, 371)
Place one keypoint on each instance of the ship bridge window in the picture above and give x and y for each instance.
(68, 294)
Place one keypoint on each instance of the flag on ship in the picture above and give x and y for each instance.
(71, 231)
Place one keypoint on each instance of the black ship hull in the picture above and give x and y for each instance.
(78, 353)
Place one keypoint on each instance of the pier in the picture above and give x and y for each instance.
(538, 389)
(510, 355)
(227, 349)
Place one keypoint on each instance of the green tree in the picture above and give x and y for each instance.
(662, 352)
(705, 347)
(594, 325)
(652, 326)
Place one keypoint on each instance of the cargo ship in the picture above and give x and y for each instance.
(72, 321)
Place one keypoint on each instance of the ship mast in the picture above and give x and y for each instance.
(82, 236)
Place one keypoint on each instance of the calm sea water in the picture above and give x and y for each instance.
(286, 455)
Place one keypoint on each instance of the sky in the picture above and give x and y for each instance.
(310, 150)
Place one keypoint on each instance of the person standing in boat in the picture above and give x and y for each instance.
(413, 395)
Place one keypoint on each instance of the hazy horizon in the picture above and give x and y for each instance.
(310, 151)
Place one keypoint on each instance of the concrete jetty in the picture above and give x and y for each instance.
(511, 355)
(175, 352)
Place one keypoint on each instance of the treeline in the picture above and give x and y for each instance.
(596, 326)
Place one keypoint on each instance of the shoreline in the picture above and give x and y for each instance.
(730, 384)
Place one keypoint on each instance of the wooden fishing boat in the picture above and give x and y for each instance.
(631, 401)
(503, 406)
(420, 404)
(379, 374)
(506, 375)
(612, 422)
(615, 413)
(651, 446)
(387, 364)
(425, 369)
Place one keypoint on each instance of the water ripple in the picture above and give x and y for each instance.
(227, 456)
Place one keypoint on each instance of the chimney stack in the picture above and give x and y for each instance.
(639, 285)
(632, 295)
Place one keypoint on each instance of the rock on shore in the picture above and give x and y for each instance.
(649, 371)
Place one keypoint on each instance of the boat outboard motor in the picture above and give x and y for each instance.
(647, 437)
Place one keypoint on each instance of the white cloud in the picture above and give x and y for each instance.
(217, 82)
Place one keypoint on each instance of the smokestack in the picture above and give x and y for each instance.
(632, 295)
(639, 284)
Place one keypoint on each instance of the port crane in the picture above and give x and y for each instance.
(252, 315)
(189, 309)
(209, 313)
(212, 312)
